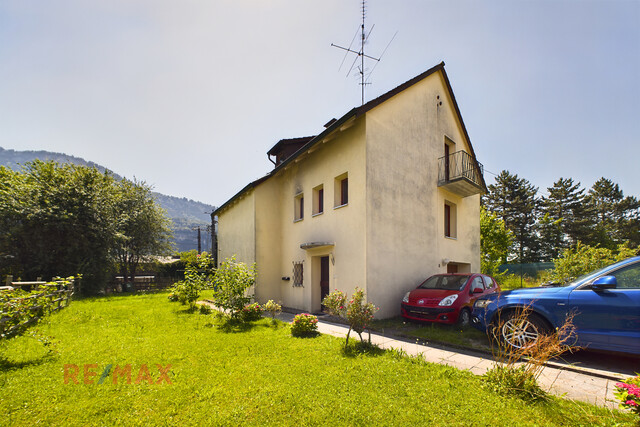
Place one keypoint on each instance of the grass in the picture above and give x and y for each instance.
(245, 376)
(468, 337)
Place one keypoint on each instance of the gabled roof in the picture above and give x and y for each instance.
(353, 113)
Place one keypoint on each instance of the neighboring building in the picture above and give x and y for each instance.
(384, 197)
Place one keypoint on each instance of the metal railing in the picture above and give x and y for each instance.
(459, 165)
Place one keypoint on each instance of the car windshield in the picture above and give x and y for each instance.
(451, 283)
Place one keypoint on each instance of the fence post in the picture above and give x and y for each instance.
(9, 279)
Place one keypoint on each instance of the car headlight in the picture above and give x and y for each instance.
(481, 303)
(406, 297)
(448, 300)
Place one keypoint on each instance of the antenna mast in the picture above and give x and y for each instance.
(360, 54)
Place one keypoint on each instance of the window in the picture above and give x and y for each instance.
(298, 273)
(318, 200)
(477, 284)
(341, 191)
(450, 220)
(298, 207)
(628, 277)
(488, 283)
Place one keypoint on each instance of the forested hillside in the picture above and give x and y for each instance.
(187, 215)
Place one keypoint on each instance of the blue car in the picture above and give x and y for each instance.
(605, 305)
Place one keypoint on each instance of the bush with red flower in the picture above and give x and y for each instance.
(629, 394)
(252, 312)
(304, 325)
(355, 311)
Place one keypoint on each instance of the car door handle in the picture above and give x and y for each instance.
(561, 303)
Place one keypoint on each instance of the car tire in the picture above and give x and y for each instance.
(464, 318)
(518, 332)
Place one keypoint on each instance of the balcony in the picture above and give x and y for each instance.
(461, 174)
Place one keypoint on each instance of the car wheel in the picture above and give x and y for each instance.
(464, 318)
(522, 331)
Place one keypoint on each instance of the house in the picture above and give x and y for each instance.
(382, 198)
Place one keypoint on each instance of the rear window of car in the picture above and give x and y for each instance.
(451, 283)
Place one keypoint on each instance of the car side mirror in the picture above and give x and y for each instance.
(604, 282)
(477, 291)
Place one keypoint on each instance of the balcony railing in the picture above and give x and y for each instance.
(460, 173)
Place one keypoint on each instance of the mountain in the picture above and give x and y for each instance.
(187, 215)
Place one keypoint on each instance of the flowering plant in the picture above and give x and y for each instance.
(304, 324)
(273, 308)
(251, 312)
(629, 394)
(336, 303)
(355, 311)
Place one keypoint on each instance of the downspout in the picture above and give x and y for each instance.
(214, 240)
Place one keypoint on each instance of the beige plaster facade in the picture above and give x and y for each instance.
(392, 232)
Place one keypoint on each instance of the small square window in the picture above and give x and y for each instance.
(298, 205)
(341, 191)
(318, 200)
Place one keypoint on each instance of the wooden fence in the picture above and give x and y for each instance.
(18, 312)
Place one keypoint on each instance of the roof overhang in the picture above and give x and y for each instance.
(316, 245)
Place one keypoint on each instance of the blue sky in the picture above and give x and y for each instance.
(189, 95)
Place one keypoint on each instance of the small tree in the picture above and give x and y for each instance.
(197, 277)
(495, 241)
(356, 312)
(231, 282)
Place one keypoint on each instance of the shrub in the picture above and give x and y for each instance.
(272, 308)
(629, 394)
(304, 325)
(251, 312)
(356, 312)
(231, 282)
(205, 309)
(584, 259)
(512, 380)
(197, 277)
(173, 296)
(336, 303)
(508, 375)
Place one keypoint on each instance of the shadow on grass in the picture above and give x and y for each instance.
(187, 310)
(307, 335)
(7, 365)
(362, 348)
(232, 326)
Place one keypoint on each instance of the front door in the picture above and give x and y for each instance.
(324, 277)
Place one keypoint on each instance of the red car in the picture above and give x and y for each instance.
(447, 298)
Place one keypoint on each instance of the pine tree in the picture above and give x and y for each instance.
(514, 200)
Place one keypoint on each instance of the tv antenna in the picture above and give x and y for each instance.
(364, 78)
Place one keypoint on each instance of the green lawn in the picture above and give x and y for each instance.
(257, 376)
(468, 337)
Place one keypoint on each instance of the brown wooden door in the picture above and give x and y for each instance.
(452, 268)
(324, 277)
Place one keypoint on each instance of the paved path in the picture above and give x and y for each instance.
(588, 385)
